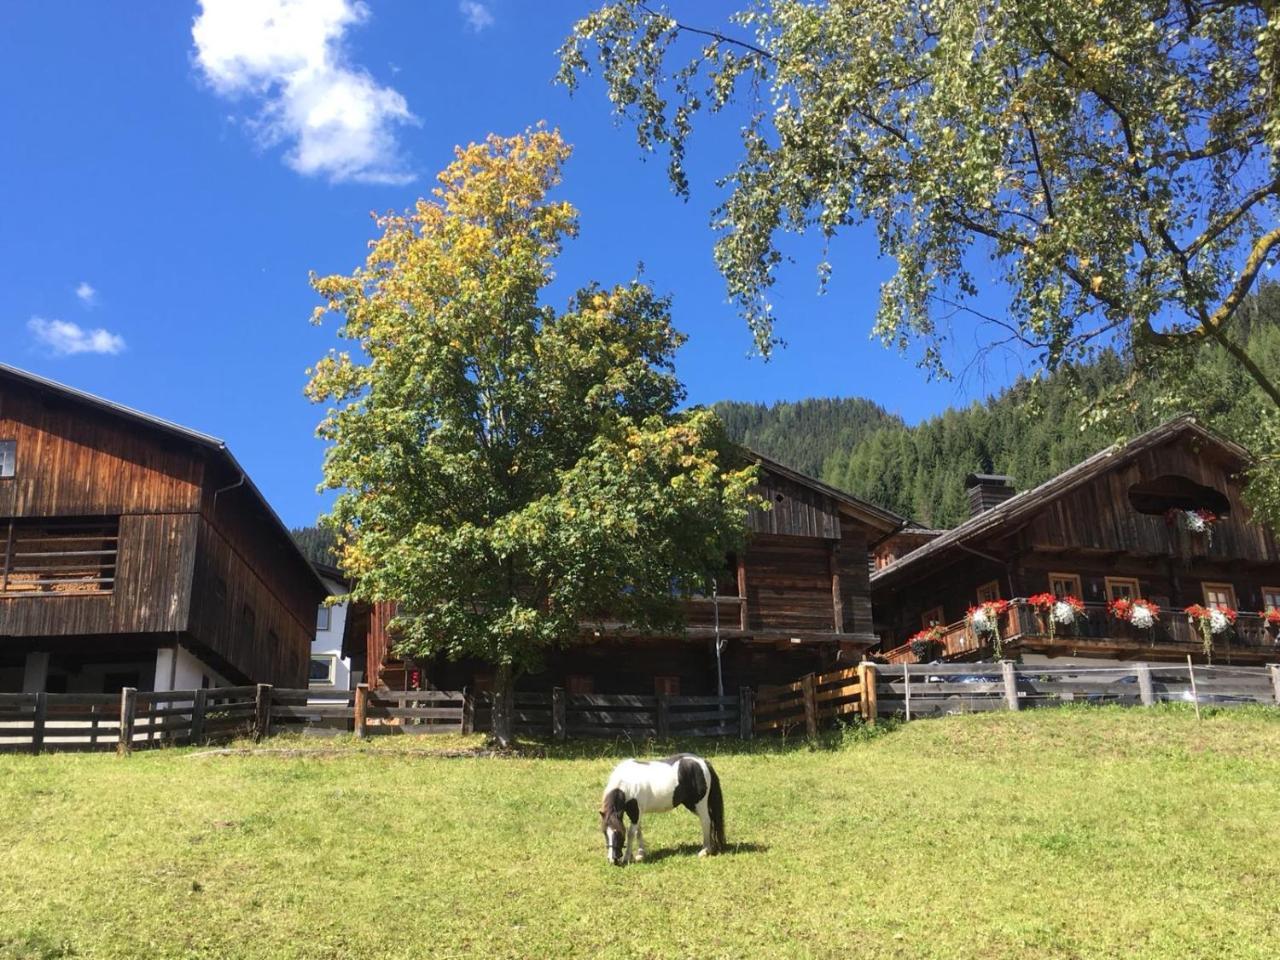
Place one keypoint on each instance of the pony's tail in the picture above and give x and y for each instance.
(715, 803)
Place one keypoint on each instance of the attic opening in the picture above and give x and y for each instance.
(1174, 492)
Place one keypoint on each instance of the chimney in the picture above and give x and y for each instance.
(987, 490)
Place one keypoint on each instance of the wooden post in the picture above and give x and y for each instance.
(468, 713)
(837, 601)
(1010, 684)
(808, 689)
(1145, 690)
(1275, 680)
(862, 689)
(742, 593)
(262, 712)
(38, 721)
(361, 710)
(869, 692)
(746, 713)
(198, 709)
(664, 717)
(94, 710)
(906, 679)
(128, 706)
(559, 727)
(1195, 697)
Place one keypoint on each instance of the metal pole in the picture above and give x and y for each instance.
(715, 602)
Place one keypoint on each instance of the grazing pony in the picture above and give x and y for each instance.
(656, 786)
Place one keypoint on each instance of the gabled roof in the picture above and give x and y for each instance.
(869, 513)
(219, 447)
(1022, 505)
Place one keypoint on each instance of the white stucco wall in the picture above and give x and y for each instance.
(177, 668)
(328, 643)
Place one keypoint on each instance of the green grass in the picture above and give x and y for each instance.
(1055, 833)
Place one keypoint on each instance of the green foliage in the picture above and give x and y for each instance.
(318, 544)
(998, 836)
(506, 471)
(1037, 428)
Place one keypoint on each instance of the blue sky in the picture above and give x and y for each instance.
(164, 195)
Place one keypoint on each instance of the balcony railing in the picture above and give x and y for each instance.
(1172, 632)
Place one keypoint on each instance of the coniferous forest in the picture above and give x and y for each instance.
(1031, 431)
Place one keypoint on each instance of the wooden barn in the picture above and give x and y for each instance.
(1160, 518)
(135, 552)
(796, 600)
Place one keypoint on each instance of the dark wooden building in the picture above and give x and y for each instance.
(797, 599)
(1109, 528)
(135, 552)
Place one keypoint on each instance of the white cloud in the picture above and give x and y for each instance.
(87, 294)
(290, 55)
(64, 338)
(478, 15)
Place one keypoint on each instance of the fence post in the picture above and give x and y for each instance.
(559, 728)
(468, 713)
(1275, 680)
(262, 712)
(1010, 684)
(807, 690)
(128, 706)
(870, 678)
(197, 715)
(1195, 697)
(37, 722)
(361, 710)
(1145, 690)
(664, 718)
(746, 713)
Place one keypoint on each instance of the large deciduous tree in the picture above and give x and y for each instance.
(509, 473)
(1114, 160)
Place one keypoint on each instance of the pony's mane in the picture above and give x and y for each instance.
(612, 803)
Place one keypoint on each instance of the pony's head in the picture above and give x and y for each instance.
(615, 834)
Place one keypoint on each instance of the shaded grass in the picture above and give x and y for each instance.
(1056, 833)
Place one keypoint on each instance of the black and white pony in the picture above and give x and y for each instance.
(656, 786)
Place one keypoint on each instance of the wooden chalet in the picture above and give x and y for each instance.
(794, 601)
(135, 552)
(1108, 528)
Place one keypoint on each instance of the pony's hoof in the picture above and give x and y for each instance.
(638, 858)
(704, 852)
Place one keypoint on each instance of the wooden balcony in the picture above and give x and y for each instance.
(1023, 629)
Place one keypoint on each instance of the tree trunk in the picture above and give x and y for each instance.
(503, 704)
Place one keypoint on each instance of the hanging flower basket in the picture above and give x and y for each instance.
(1137, 612)
(928, 644)
(1211, 622)
(1198, 522)
(1271, 617)
(984, 621)
(1057, 611)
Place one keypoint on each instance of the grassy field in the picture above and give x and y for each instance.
(1055, 833)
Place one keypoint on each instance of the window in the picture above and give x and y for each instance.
(666, 686)
(989, 591)
(932, 617)
(1065, 585)
(1122, 588)
(1172, 492)
(323, 669)
(8, 457)
(58, 557)
(1270, 598)
(322, 617)
(579, 684)
(1218, 595)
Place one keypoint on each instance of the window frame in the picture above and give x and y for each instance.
(666, 685)
(1110, 582)
(332, 659)
(989, 591)
(927, 618)
(324, 618)
(1274, 594)
(9, 446)
(1228, 588)
(1074, 578)
(573, 683)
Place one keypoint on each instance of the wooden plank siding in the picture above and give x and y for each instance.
(196, 541)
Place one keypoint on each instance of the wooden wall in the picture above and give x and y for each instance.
(74, 461)
(794, 510)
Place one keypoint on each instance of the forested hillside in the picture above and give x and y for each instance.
(1030, 431)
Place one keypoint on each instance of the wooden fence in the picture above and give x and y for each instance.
(815, 699)
(561, 715)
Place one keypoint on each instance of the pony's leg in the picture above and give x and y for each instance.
(632, 830)
(639, 842)
(703, 810)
